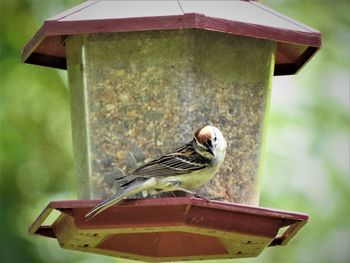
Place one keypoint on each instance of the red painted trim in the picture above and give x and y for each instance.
(148, 219)
(262, 32)
(232, 207)
(192, 20)
(31, 55)
(33, 43)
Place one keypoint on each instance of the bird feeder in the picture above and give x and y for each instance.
(143, 76)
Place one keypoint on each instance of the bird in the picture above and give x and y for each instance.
(184, 169)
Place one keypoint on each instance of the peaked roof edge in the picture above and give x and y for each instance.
(44, 46)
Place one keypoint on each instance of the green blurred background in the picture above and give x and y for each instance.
(307, 148)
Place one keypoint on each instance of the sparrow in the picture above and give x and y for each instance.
(184, 169)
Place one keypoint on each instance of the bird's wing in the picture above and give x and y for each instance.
(182, 161)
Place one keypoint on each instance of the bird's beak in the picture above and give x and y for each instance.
(211, 150)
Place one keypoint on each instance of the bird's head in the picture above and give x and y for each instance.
(210, 142)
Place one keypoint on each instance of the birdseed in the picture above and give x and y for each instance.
(148, 92)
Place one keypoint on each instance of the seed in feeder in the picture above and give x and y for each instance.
(164, 83)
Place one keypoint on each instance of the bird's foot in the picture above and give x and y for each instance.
(194, 194)
(205, 198)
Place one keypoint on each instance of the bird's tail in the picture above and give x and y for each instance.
(132, 188)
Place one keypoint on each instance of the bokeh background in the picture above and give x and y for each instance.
(307, 149)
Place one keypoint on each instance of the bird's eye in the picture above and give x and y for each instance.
(215, 139)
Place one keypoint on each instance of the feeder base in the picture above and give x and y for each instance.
(169, 229)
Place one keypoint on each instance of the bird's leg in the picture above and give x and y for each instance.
(176, 187)
(192, 193)
(172, 194)
(186, 191)
(201, 197)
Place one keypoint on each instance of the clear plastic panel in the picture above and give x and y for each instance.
(138, 95)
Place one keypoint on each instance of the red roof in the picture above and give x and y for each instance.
(296, 43)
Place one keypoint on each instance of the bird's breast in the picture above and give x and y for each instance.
(191, 180)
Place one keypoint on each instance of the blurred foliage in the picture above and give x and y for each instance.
(307, 149)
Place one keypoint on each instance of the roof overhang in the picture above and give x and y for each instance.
(296, 43)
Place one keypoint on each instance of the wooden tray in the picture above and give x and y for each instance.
(168, 229)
